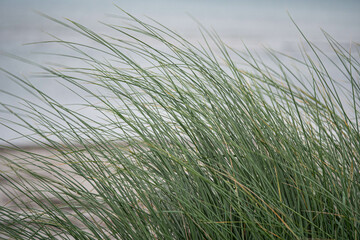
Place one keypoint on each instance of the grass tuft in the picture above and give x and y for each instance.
(189, 142)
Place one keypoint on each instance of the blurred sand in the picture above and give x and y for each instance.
(31, 158)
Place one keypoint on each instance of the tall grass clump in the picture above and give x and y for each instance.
(189, 142)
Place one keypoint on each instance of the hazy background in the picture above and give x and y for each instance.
(256, 23)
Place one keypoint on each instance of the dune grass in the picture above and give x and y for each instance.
(194, 142)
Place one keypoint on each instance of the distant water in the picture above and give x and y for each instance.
(256, 23)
